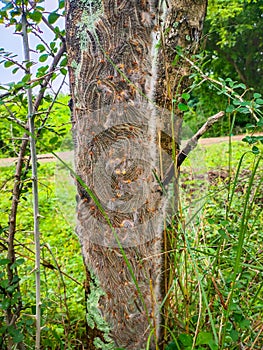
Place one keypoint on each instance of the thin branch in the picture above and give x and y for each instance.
(43, 41)
(11, 317)
(9, 93)
(50, 25)
(34, 184)
(191, 144)
(223, 86)
(13, 118)
(15, 63)
(56, 59)
(51, 105)
(61, 37)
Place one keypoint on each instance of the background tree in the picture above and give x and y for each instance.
(124, 65)
(231, 49)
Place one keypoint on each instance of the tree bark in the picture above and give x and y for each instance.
(124, 76)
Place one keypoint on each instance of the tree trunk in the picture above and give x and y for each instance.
(124, 76)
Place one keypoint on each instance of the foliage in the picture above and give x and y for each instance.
(37, 75)
(63, 306)
(55, 134)
(232, 49)
(242, 106)
(234, 40)
(217, 260)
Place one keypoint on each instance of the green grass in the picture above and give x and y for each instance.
(218, 259)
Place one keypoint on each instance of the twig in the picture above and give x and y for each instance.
(44, 262)
(49, 25)
(13, 118)
(15, 63)
(217, 82)
(191, 144)
(9, 93)
(219, 293)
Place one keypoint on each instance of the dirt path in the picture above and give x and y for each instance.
(68, 155)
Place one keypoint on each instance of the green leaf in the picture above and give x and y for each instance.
(171, 346)
(52, 18)
(250, 126)
(42, 70)
(35, 16)
(242, 86)
(15, 13)
(53, 45)
(4, 261)
(61, 4)
(18, 337)
(8, 64)
(185, 339)
(255, 150)
(259, 101)
(234, 335)
(247, 139)
(4, 284)
(244, 324)
(183, 107)
(20, 261)
(236, 102)
(18, 27)
(26, 78)
(206, 338)
(40, 48)
(257, 95)
(244, 110)
(186, 96)
(53, 140)
(29, 64)
(230, 109)
(64, 62)
(222, 232)
(63, 71)
(43, 57)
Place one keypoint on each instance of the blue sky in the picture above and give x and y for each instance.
(12, 42)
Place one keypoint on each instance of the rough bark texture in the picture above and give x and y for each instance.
(119, 83)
